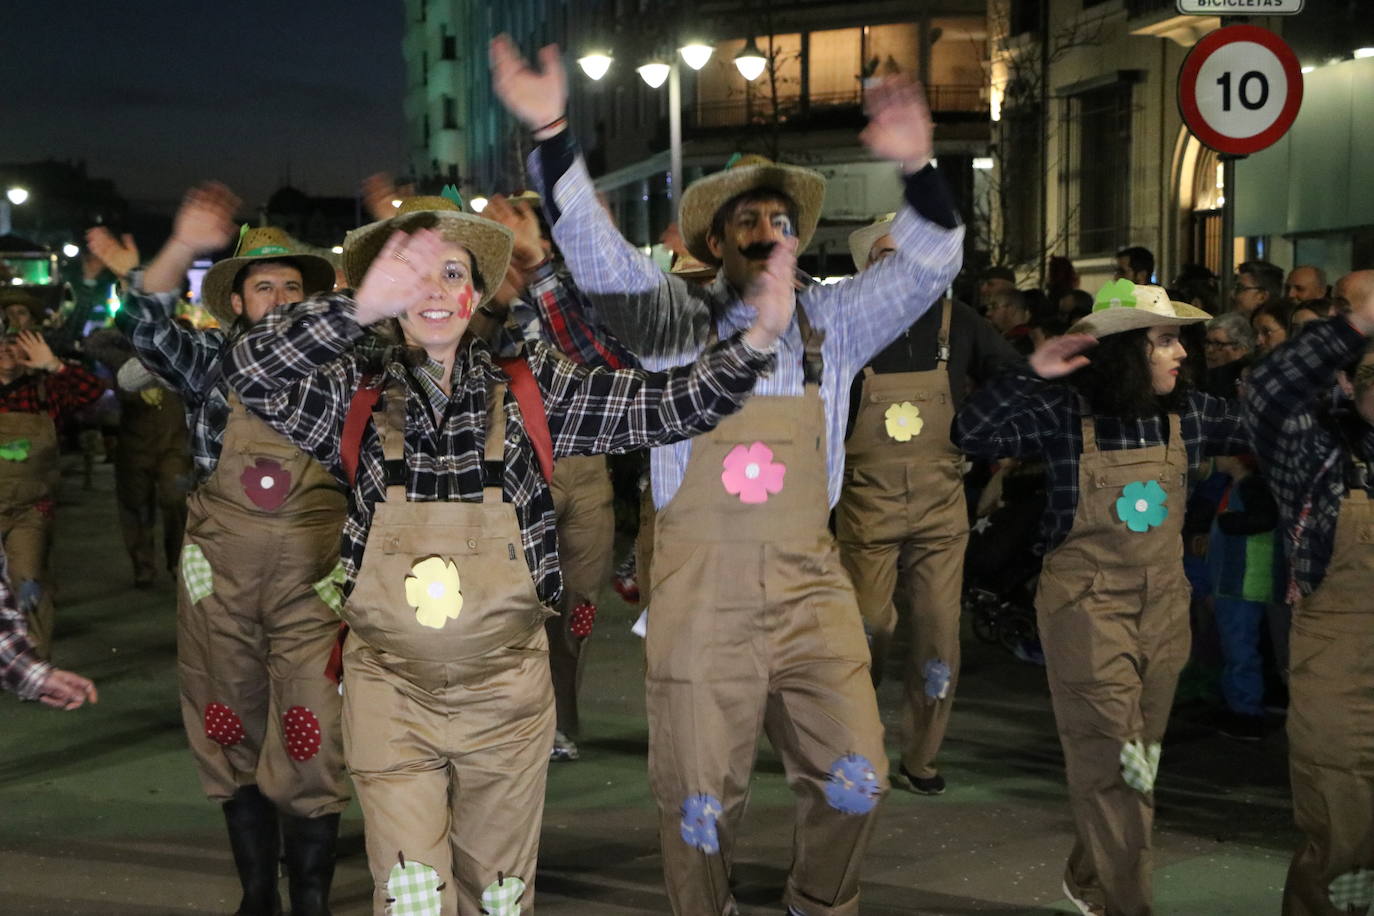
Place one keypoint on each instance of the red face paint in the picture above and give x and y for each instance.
(465, 305)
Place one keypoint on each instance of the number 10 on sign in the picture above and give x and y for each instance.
(1240, 89)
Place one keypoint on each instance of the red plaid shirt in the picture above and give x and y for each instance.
(68, 389)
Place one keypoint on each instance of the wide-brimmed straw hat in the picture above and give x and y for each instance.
(263, 243)
(488, 242)
(41, 301)
(861, 241)
(1126, 306)
(705, 196)
(689, 268)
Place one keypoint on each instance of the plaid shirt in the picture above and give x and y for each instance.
(558, 314)
(68, 389)
(20, 670)
(1303, 457)
(299, 367)
(187, 360)
(1019, 414)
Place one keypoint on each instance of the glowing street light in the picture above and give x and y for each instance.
(337, 249)
(696, 54)
(750, 61)
(655, 72)
(595, 64)
(17, 195)
(70, 250)
(478, 204)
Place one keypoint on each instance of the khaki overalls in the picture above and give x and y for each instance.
(448, 707)
(254, 629)
(902, 510)
(1331, 727)
(152, 471)
(1113, 615)
(584, 503)
(29, 473)
(754, 626)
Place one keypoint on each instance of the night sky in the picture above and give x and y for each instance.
(159, 94)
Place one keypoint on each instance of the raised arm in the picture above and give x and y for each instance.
(1013, 414)
(1223, 425)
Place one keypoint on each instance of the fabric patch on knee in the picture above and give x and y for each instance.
(196, 574)
(30, 593)
(852, 786)
(412, 889)
(1140, 765)
(502, 896)
(699, 814)
(1352, 891)
(330, 588)
(937, 677)
(302, 732)
(222, 725)
(582, 619)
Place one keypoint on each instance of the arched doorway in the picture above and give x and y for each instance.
(1200, 193)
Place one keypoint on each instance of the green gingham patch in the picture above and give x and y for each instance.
(330, 588)
(195, 573)
(502, 896)
(1353, 891)
(1140, 765)
(413, 890)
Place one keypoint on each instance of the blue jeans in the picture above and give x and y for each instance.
(1242, 670)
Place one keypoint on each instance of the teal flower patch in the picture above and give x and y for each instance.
(1353, 891)
(1141, 505)
(1115, 295)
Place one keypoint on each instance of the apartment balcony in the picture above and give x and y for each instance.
(821, 111)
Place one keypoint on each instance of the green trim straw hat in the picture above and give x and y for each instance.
(263, 243)
(1125, 306)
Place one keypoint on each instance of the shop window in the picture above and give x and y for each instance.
(1097, 168)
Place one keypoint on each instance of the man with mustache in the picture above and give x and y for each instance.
(754, 623)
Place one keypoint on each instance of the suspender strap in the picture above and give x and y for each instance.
(359, 409)
(531, 403)
(813, 364)
(942, 353)
(494, 457)
(1089, 424)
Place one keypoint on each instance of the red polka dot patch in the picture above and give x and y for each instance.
(582, 620)
(223, 725)
(302, 733)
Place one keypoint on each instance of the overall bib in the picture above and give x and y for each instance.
(1113, 614)
(1331, 727)
(152, 471)
(28, 485)
(584, 503)
(902, 511)
(448, 708)
(256, 625)
(754, 627)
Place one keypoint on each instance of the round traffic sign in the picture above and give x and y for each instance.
(1240, 89)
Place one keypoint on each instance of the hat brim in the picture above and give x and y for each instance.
(861, 241)
(1122, 318)
(317, 276)
(489, 243)
(705, 196)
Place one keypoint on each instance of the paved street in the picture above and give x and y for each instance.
(103, 814)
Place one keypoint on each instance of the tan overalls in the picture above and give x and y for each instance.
(584, 503)
(255, 625)
(902, 509)
(1331, 727)
(152, 471)
(448, 707)
(1113, 615)
(754, 625)
(28, 486)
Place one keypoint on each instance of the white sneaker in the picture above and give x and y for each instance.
(1084, 907)
(564, 748)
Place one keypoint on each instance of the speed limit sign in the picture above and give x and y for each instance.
(1240, 89)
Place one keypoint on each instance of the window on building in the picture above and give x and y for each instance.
(1097, 169)
(448, 45)
(1019, 177)
(1024, 16)
(424, 68)
(958, 69)
(450, 113)
(834, 63)
(726, 99)
(894, 48)
(426, 129)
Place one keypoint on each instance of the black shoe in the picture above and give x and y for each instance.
(1240, 727)
(310, 844)
(935, 785)
(252, 822)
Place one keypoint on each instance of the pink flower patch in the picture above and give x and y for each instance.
(751, 474)
(223, 725)
(582, 619)
(302, 733)
(266, 483)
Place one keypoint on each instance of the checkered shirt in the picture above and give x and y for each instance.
(555, 311)
(20, 669)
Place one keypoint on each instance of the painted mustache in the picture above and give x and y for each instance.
(758, 251)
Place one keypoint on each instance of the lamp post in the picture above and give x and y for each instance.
(13, 196)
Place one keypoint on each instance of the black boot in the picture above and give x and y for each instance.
(252, 822)
(310, 845)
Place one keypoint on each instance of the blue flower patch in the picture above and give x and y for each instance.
(853, 785)
(937, 677)
(699, 813)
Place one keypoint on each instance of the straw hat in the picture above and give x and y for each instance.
(705, 196)
(41, 301)
(861, 240)
(689, 268)
(265, 243)
(1126, 306)
(488, 242)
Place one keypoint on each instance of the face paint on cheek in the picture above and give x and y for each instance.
(465, 301)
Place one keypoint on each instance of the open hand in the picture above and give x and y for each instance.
(1061, 356)
(65, 690)
(205, 221)
(35, 353)
(401, 275)
(536, 98)
(378, 193)
(773, 296)
(899, 124)
(120, 255)
(518, 216)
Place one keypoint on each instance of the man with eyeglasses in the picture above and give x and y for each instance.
(1257, 282)
(1230, 340)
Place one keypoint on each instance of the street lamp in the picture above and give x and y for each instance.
(70, 250)
(595, 64)
(654, 72)
(750, 61)
(13, 196)
(17, 195)
(478, 204)
(696, 54)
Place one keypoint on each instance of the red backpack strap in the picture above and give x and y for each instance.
(359, 410)
(526, 391)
